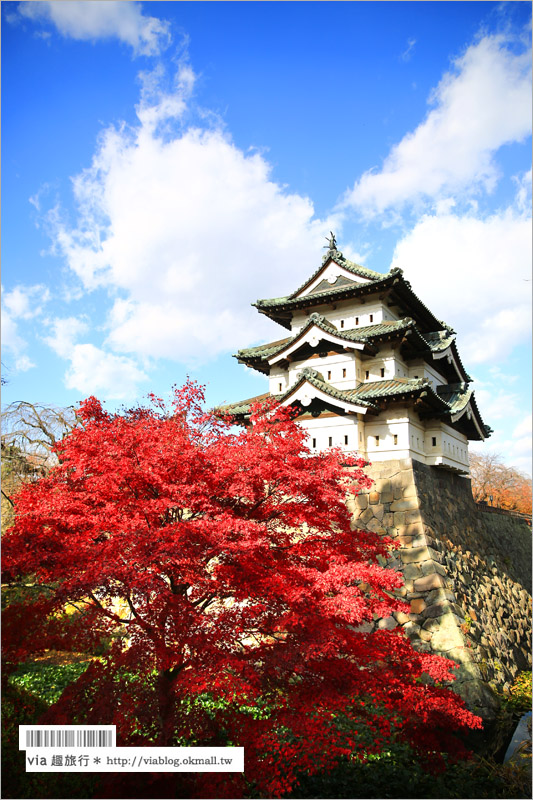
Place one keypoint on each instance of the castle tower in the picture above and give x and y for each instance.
(369, 368)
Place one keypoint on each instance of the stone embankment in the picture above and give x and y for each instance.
(467, 574)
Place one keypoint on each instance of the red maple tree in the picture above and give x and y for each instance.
(224, 568)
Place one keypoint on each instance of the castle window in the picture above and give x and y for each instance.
(382, 371)
(377, 440)
(434, 441)
(280, 386)
(342, 323)
(371, 318)
(357, 320)
(395, 438)
(330, 441)
(343, 373)
(367, 374)
(345, 440)
(314, 442)
(329, 374)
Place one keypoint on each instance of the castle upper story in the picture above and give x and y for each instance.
(368, 366)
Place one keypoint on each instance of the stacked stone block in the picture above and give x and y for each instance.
(466, 581)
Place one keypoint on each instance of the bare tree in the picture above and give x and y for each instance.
(29, 433)
(496, 483)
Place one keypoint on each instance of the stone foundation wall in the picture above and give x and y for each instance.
(467, 574)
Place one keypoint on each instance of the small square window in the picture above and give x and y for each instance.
(330, 441)
(345, 440)
(434, 441)
(382, 371)
(395, 437)
(343, 373)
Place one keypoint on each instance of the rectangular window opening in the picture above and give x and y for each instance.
(357, 320)
(329, 374)
(377, 441)
(314, 442)
(345, 440)
(434, 441)
(371, 318)
(382, 371)
(280, 386)
(367, 374)
(343, 373)
(342, 323)
(330, 441)
(395, 437)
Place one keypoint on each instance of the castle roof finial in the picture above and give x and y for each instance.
(332, 242)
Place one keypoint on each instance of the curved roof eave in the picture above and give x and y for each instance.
(451, 354)
(326, 334)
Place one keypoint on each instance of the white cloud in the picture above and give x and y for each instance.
(25, 302)
(515, 449)
(473, 273)
(524, 427)
(407, 53)
(11, 338)
(184, 229)
(90, 20)
(20, 305)
(483, 103)
(497, 405)
(65, 333)
(94, 371)
(23, 364)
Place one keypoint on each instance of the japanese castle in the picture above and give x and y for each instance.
(368, 367)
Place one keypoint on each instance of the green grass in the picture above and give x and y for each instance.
(46, 681)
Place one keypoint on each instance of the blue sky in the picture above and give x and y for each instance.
(166, 164)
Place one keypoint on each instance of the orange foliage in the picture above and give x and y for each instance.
(507, 486)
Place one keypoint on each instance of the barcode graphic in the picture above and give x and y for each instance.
(70, 737)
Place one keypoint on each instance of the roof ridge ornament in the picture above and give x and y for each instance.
(332, 241)
(332, 250)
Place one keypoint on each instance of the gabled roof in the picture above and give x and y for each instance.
(280, 309)
(260, 355)
(369, 335)
(454, 404)
(335, 256)
(368, 395)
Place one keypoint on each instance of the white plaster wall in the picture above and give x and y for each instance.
(395, 423)
(354, 315)
(388, 360)
(453, 447)
(338, 429)
(278, 381)
(419, 368)
(415, 440)
(331, 368)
